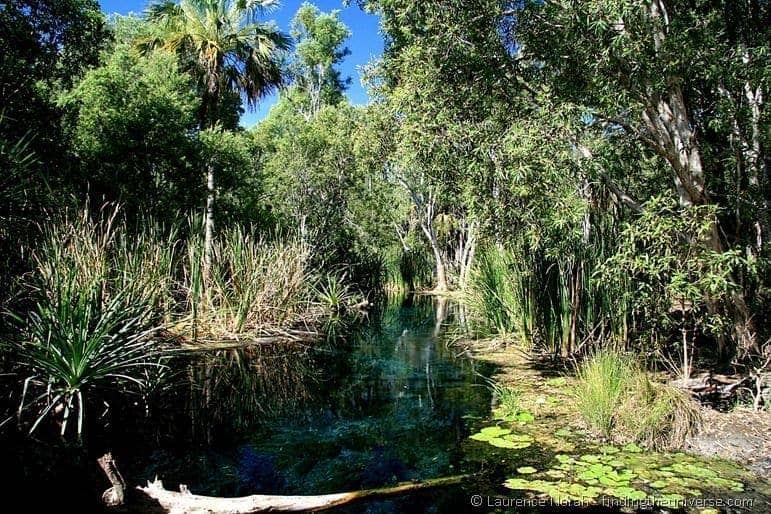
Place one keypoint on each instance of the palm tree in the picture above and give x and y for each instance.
(228, 51)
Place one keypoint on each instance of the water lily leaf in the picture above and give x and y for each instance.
(525, 417)
(495, 431)
(588, 475)
(526, 470)
(601, 469)
(626, 493)
(480, 437)
(632, 448)
(605, 480)
(593, 459)
(517, 483)
(563, 432)
(658, 484)
(564, 458)
(609, 450)
(556, 473)
(499, 442)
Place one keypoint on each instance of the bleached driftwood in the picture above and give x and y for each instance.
(184, 502)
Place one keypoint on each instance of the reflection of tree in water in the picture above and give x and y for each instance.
(386, 404)
(236, 390)
(394, 411)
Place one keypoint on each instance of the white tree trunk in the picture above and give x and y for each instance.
(208, 245)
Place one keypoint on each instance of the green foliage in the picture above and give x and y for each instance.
(45, 45)
(663, 252)
(320, 37)
(318, 189)
(602, 380)
(334, 294)
(508, 400)
(240, 183)
(225, 48)
(501, 297)
(130, 122)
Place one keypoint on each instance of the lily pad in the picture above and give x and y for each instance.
(632, 448)
(500, 442)
(526, 470)
(626, 493)
(495, 431)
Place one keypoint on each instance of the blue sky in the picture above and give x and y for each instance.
(365, 43)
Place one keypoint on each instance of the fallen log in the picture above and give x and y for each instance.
(184, 502)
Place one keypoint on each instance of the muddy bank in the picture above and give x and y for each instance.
(740, 435)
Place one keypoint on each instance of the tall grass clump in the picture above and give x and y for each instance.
(656, 415)
(255, 284)
(602, 381)
(621, 402)
(407, 269)
(95, 295)
(501, 296)
(507, 399)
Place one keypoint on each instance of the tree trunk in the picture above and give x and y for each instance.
(441, 268)
(208, 245)
(674, 138)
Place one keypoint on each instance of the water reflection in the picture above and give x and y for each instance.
(381, 402)
(386, 404)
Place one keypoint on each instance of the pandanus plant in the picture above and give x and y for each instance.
(95, 295)
(76, 341)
